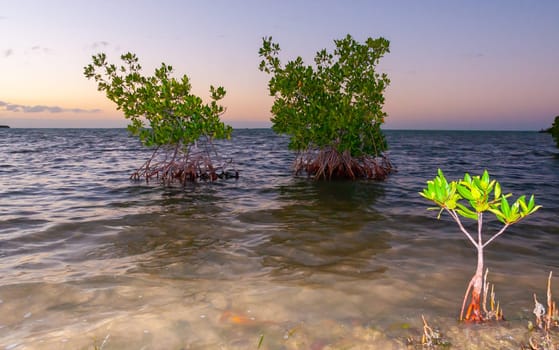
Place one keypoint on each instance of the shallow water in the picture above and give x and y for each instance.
(88, 258)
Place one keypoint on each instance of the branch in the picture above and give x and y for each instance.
(479, 227)
(495, 235)
(457, 219)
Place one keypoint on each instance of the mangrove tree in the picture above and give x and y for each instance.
(555, 130)
(166, 116)
(331, 110)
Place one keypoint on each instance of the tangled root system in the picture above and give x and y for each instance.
(182, 165)
(326, 164)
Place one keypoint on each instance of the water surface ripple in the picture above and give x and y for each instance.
(87, 256)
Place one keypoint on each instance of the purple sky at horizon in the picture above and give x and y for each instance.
(482, 65)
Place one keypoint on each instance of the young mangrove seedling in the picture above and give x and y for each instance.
(470, 198)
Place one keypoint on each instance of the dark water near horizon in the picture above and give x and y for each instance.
(89, 259)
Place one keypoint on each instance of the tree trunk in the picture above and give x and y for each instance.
(474, 313)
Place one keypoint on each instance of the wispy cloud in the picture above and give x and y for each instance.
(11, 107)
(474, 55)
(103, 45)
(33, 51)
(100, 44)
(38, 50)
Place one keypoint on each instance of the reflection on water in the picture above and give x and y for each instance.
(89, 259)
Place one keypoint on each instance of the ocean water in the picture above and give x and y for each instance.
(89, 259)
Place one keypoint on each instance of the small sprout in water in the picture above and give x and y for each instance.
(431, 338)
(471, 198)
(550, 319)
(541, 337)
(539, 311)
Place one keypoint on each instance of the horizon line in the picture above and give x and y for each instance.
(7, 127)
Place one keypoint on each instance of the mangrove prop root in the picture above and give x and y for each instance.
(179, 164)
(466, 298)
(325, 164)
(474, 313)
(552, 318)
(477, 310)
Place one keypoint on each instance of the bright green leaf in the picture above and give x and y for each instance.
(466, 212)
(497, 191)
(464, 192)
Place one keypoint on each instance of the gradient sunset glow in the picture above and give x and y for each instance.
(453, 65)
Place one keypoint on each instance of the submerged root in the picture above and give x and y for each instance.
(183, 165)
(326, 164)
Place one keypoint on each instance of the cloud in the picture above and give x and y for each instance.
(39, 50)
(35, 50)
(99, 44)
(10, 107)
(103, 45)
(474, 55)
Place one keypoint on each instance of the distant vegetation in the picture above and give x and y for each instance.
(165, 115)
(555, 130)
(332, 110)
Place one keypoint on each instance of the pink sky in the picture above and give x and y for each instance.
(453, 65)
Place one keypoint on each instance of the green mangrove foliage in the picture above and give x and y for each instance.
(165, 115)
(471, 198)
(332, 111)
(555, 130)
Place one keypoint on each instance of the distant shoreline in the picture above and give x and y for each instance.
(269, 128)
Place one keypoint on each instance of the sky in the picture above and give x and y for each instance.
(472, 65)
